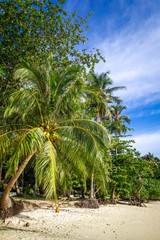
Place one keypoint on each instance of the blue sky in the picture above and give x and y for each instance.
(128, 36)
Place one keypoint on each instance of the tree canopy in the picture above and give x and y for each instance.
(34, 28)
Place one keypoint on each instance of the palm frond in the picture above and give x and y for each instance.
(8, 139)
(91, 126)
(113, 89)
(126, 119)
(32, 76)
(46, 169)
(67, 100)
(23, 102)
(92, 144)
(28, 142)
(2, 111)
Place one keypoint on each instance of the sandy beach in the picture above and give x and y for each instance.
(110, 222)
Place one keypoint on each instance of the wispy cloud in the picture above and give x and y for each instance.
(148, 143)
(146, 112)
(133, 59)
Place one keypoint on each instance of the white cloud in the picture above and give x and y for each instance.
(148, 143)
(155, 112)
(134, 61)
(144, 113)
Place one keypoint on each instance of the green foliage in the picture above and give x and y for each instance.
(44, 110)
(129, 172)
(31, 29)
(151, 189)
(47, 114)
(78, 184)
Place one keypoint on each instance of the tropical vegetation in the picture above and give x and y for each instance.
(62, 128)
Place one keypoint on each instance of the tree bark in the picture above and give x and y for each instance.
(141, 183)
(5, 196)
(18, 192)
(116, 150)
(92, 177)
(92, 186)
(36, 189)
(1, 166)
(113, 194)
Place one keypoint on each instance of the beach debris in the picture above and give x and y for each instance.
(16, 208)
(27, 224)
(2, 222)
(87, 203)
(139, 203)
(9, 224)
(57, 208)
(28, 206)
(106, 201)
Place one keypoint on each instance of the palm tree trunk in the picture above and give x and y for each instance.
(116, 150)
(23, 176)
(4, 203)
(113, 193)
(36, 189)
(18, 192)
(1, 167)
(92, 186)
(92, 177)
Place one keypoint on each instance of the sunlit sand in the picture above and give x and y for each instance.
(108, 222)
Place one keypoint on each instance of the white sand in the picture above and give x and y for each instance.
(108, 222)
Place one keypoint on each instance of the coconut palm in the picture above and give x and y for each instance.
(100, 94)
(149, 157)
(42, 124)
(119, 120)
(117, 125)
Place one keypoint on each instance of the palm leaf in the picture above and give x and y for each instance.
(89, 125)
(23, 102)
(28, 142)
(46, 169)
(93, 144)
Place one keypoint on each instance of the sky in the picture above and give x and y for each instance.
(127, 32)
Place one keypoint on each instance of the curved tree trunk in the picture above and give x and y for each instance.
(4, 201)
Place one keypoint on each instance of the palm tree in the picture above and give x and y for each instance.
(118, 126)
(100, 94)
(149, 157)
(119, 120)
(41, 123)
